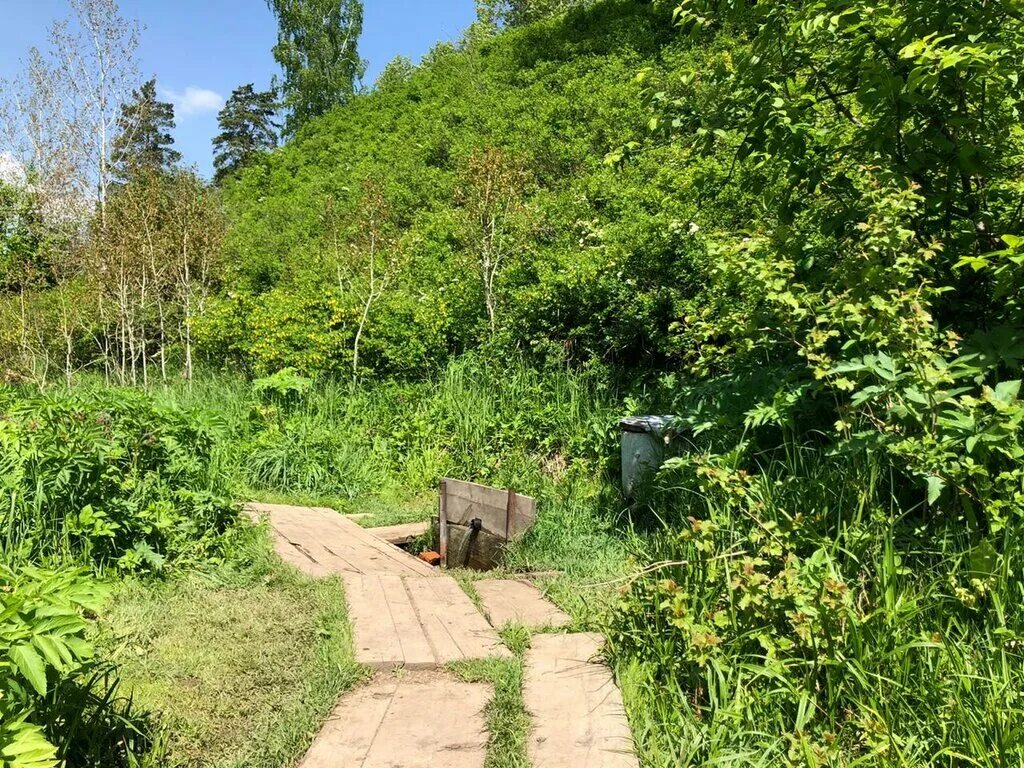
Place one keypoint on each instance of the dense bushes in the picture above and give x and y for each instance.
(798, 619)
(843, 564)
(490, 162)
(107, 477)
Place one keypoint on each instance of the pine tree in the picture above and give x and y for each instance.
(247, 128)
(316, 48)
(144, 141)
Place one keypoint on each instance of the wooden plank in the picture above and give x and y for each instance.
(511, 601)
(401, 534)
(386, 630)
(299, 558)
(575, 708)
(390, 723)
(332, 543)
(389, 558)
(353, 726)
(416, 650)
(442, 522)
(453, 625)
(374, 635)
(467, 501)
(309, 536)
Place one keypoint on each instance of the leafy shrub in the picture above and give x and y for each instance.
(108, 477)
(58, 705)
(793, 621)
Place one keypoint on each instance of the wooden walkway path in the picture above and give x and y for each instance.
(320, 542)
(412, 619)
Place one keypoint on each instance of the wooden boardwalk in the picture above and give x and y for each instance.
(320, 542)
(509, 601)
(399, 723)
(409, 616)
(404, 613)
(574, 705)
(416, 622)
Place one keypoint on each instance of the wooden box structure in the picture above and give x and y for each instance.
(475, 522)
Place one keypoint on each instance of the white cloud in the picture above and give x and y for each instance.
(194, 101)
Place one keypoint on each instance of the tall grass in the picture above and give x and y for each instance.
(506, 424)
(804, 618)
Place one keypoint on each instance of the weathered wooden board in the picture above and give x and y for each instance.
(386, 629)
(416, 622)
(476, 522)
(456, 630)
(508, 601)
(575, 707)
(478, 550)
(492, 506)
(320, 542)
(391, 722)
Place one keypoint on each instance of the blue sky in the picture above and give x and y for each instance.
(212, 46)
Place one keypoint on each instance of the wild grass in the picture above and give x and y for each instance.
(802, 622)
(242, 662)
(802, 613)
(507, 720)
(510, 426)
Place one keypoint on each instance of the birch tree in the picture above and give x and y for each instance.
(492, 198)
(369, 260)
(59, 116)
(96, 70)
(194, 240)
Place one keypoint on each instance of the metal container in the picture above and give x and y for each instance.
(643, 449)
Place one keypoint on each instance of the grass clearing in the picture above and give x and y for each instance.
(242, 664)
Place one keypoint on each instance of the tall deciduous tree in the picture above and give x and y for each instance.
(317, 49)
(144, 141)
(60, 116)
(513, 13)
(247, 128)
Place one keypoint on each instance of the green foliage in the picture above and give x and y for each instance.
(316, 48)
(488, 421)
(793, 619)
(592, 264)
(108, 477)
(840, 584)
(27, 245)
(247, 129)
(57, 705)
(144, 139)
(512, 13)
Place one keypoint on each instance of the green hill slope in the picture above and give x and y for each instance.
(597, 261)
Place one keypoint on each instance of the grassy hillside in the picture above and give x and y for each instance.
(600, 260)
